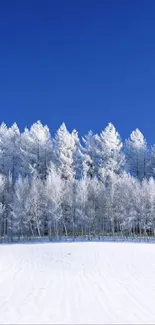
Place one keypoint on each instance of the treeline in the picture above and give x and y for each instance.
(67, 186)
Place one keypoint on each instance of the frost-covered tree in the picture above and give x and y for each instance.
(3, 147)
(7, 200)
(2, 206)
(36, 204)
(151, 162)
(53, 194)
(127, 189)
(90, 164)
(147, 206)
(22, 223)
(81, 205)
(136, 154)
(28, 207)
(78, 155)
(64, 152)
(36, 149)
(88, 206)
(61, 186)
(109, 151)
(10, 155)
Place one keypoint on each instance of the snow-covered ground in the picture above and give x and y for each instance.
(92, 282)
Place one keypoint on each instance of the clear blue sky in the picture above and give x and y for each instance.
(82, 62)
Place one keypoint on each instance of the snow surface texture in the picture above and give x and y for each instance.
(81, 283)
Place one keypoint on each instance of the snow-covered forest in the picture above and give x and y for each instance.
(64, 185)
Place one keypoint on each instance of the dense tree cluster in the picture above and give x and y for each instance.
(67, 186)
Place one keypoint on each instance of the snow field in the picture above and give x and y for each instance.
(78, 283)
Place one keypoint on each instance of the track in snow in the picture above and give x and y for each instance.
(83, 283)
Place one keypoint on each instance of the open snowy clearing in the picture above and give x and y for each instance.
(77, 283)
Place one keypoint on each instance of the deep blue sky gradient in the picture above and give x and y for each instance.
(84, 62)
